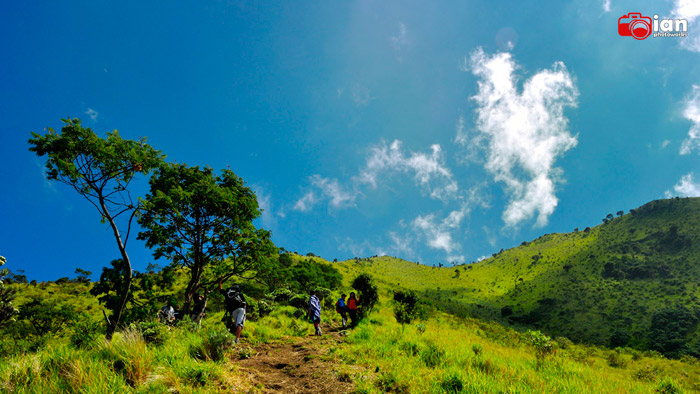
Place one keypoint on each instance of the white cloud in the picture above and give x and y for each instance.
(690, 10)
(439, 234)
(92, 114)
(338, 197)
(306, 203)
(685, 188)
(523, 133)
(691, 111)
(665, 143)
(268, 216)
(606, 6)
(400, 40)
(429, 170)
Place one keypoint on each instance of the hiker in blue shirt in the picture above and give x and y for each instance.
(341, 308)
(314, 313)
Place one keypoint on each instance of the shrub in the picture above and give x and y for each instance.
(452, 383)
(368, 293)
(432, 355)
(647, 373)
(86, 334)
(563, 342)
(421, 328)
(477, 349)
(213, 345)
(153, 333)
(405, 306)
(668, 386)
(616, 359)
(541, 343)
(387, 382)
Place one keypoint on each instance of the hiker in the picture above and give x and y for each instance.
(352, 308)
(314, 313)
(197, 307)
(341, 308)
(166, 314)
(235, 305)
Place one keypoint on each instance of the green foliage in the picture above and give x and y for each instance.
(86, 333)
(100, 170)
(7, 296)
(203, 222)
(477, 349)
(616, 359)
(541, 343)
(42, 317)
(389, 383)
(368, 294)
(213, 344)
(152, 332)
(309, 274)
(669, 330)
(432, 355)
(406, 307)
(668, 386)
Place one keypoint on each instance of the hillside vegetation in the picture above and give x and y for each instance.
(633, 281)
(502, 325)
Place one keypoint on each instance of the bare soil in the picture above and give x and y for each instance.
(298, 365)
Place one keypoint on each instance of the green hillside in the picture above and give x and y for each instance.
(604, 285)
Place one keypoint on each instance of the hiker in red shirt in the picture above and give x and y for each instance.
(352, 308)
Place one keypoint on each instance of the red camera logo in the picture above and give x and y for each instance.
(635, 25)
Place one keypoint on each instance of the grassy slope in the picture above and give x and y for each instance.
(556, 282)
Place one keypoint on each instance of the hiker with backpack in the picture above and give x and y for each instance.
(352, 308)
(342, 309)
(198, 307)
(314, 313)
(235, 305)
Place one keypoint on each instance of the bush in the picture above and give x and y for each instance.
(405, 306)
(647, 373)
(387, 382)
(153, 333)
(452, 384)
(669, 386)
(477, 349)
(86, 334)
(616, 359)
(368, 294)
(541, 343)
(432, 355)
(213, 345)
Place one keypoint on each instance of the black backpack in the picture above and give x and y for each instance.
(234, 299)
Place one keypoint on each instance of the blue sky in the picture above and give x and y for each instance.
(432, 131)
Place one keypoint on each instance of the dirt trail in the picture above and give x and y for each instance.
(298, 365)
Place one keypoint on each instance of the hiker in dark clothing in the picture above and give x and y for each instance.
(235, 305)
(341, 308)
(197, 307)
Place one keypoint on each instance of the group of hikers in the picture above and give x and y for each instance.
(235, 306)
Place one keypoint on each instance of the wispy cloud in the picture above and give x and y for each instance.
(330, 188)
(523, 133)
(92, 114)
(428, 170)
(362, 95)
(607, 7)
(307, 202)
(690, 10)
(691, 111)
(665, 143)
(686, 187)
(400, 40)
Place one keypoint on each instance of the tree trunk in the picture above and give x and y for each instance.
(198, 319)
(196, 276)
(128, 275)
